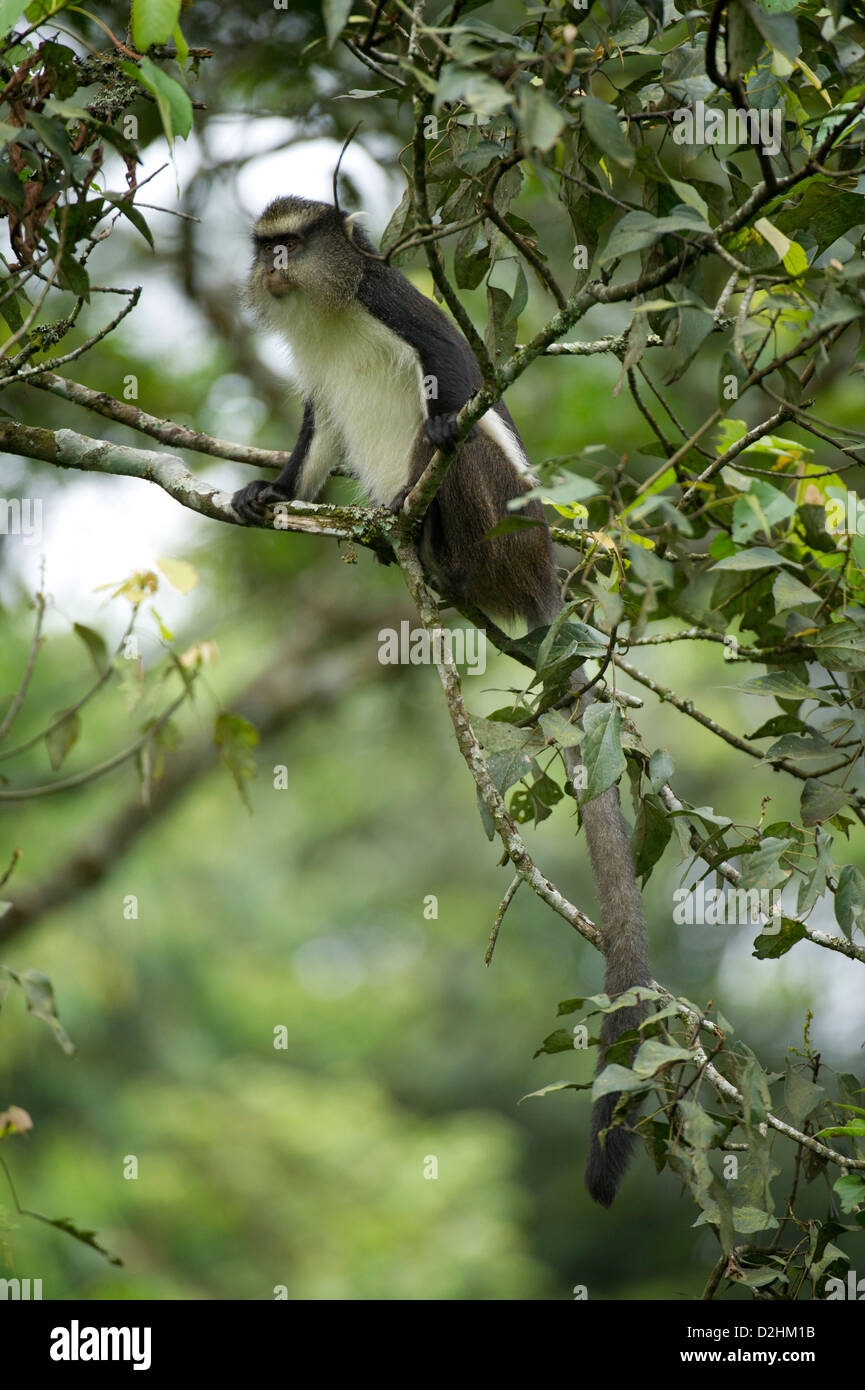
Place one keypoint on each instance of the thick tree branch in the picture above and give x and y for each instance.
(166, 431)
(506, 827)
(67, 449)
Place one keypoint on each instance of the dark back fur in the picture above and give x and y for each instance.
(512, 575)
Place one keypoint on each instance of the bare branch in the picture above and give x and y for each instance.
(18, 697)
(166, 431)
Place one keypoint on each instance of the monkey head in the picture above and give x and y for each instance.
(309, 249)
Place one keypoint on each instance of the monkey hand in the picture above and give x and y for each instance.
(252, 501)
(398, 502)
(441, 430)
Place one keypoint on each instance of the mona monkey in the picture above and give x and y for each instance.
(384, 374)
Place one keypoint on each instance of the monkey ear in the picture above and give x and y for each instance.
(348, 225)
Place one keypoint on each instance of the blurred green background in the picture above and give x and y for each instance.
(304, 1166)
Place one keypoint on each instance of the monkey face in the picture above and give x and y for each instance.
(301, 247)
(272, 270)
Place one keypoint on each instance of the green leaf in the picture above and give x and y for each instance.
(788, 592)
(689, 195)
(61, 738)
(572, 488)
(840, 646)
(755, 558)
(819, 803)
(10, 12)
(763, 868)
(572, 641)
(236, 739)
(559, 1041)
(475, 89)
(801, 1095)
(750, 1219)
(53, 135)
(334, 13)
(778, 30)
(823, 210)
(850, 900)
(603, 126)
(10, 308)
(486, 819)
(72, 276)
(617, 1078)
(126, 207)
(153, 21)
(762, 507)
(540, 121)
(497, 736)
(509, 524)
(95, 645)
(39, 997)
(653, 1054)
(652, 833)
(661, 768)
(175, 108)
(559, 729)
(10, 133)
(850, 1190)
(795, 261)
(182, 47)
(70, 111)
(809, 750)
(778, 943)
(637, 230)
(648, 568)
(853, 1129)
(508, 766)
(601, 748)
(555, 1086)
(44, 9)
(784, 686)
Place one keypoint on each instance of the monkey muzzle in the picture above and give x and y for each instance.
(276, 282)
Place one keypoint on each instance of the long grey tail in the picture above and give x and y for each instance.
(626, 956)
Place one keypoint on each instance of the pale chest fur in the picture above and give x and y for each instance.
(366, 386)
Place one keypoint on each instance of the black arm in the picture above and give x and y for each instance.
(287, 481)
(444, 354)
(250, 502)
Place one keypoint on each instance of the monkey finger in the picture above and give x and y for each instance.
(441, 430)
(398, 502)
(252, 501)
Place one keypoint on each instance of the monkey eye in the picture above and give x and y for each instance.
(273, 243)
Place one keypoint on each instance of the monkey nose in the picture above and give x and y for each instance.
(276, 283)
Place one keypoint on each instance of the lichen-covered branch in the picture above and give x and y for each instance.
(166, 431)
(470, 748)
(68, 449)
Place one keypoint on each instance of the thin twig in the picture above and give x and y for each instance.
(18, 697)
(499, 918)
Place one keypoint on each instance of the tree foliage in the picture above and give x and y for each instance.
(703, 177)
